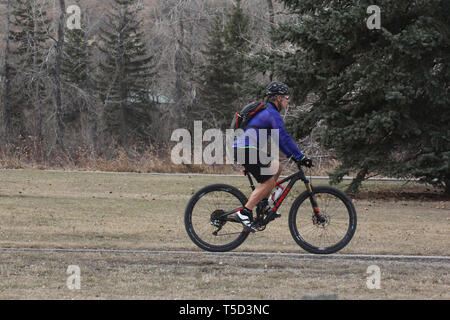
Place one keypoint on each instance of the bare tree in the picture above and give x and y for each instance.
(59, 126)
(91, 106)
(271, 12)
(7, 81)
(179, 64)
(185, 20)
(38, 69)
(176, 34)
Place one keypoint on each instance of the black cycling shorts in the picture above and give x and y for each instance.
(252, 162)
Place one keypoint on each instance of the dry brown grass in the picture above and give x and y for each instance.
(31, 275)
(28, 153)
(139, 211)
(44, 208)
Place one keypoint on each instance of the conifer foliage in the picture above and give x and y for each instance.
(382, 94)
(28, 42)
(77, 56)
(28, 32)
(225, 77)
(80, 112)
(125, 75)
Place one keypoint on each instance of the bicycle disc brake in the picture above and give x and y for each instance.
(321, 221)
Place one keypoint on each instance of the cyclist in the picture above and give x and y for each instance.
(278, 98)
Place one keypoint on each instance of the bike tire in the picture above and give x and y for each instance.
(236, 198)
(337, 198)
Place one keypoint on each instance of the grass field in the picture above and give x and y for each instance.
(138, 211)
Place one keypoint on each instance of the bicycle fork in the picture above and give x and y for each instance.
(317, 217)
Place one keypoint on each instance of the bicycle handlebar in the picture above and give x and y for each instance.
(300, 165)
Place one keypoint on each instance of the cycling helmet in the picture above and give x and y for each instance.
(277, 89)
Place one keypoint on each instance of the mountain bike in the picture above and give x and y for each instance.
(322, 220)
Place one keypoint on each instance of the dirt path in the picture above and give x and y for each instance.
(32, 273)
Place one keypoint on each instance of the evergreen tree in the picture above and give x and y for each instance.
(5, 77)
(225, 77)
(76, 68)
(81, 108)
(125, 75)
(383, 95)
(28, 32)
(77, 57)
(28, 42)
(237, 41)
(217, 95)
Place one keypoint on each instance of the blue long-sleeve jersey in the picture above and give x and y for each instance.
(269, 118)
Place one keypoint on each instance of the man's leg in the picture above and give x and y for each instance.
(264, 189)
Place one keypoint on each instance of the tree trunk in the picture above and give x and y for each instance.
(447, 185)
(37, 103)
(123, 112)
(272, 44)
(92, 114)
(6, 125)
(271, 12)
(179, 74)
(59, 129)
(194, 43)
(357, 181)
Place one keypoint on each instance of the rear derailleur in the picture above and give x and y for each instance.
(216, 221)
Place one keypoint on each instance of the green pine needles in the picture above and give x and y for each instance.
(125, 75)
(383, 94)
(225, 78)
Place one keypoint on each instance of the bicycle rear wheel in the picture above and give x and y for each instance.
(338, 223)
(202, 218)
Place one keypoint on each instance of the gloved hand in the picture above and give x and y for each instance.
(305, 161)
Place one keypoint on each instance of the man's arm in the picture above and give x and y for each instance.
(286, 143)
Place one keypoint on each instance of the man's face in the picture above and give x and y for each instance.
(283, 101)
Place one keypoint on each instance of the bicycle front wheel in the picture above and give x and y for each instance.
(204, 220)
(329, 233)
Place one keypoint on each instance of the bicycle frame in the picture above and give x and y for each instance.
(293, 178)
(299, 175)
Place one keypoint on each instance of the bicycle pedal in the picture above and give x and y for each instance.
(258, 226)
(261, 228)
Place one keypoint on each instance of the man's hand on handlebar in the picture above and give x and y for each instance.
(305, 161)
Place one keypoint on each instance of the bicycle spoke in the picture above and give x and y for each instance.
(329, 232)
(201, 218)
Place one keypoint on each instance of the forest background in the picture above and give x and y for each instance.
(108, 95)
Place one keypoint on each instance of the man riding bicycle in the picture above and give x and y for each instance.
(266, 174)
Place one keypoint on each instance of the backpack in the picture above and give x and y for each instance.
(241, 118)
